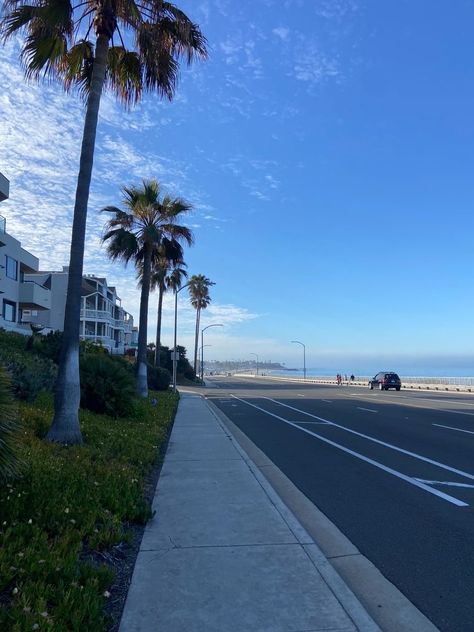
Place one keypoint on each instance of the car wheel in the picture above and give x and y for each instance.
(381, 386)
(398, 388)
(371, 386)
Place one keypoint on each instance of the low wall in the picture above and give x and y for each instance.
(417, 383)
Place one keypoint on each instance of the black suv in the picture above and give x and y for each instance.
(385, 380)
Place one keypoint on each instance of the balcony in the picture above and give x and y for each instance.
(4, 188)
(34, 296)
(96, 314)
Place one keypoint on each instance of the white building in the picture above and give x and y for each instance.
(18, 294)
(103, 319)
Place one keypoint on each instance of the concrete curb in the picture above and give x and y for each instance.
(368, 597)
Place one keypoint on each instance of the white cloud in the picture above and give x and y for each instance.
(282, 32)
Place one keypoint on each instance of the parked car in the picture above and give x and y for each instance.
(385, 380)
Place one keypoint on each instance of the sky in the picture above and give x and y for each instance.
(327, 148)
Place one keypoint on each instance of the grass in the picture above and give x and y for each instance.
(70, 504)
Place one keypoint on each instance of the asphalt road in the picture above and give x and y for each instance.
(393, 470)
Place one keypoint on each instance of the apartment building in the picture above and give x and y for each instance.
(18, 294)
(103, 319)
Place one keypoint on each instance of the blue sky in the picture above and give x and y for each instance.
(328, 149)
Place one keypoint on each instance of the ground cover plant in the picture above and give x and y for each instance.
(71, 506)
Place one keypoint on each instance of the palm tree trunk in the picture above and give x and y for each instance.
(196, 338)
(65, 427)
(161, 291)
(142, 373)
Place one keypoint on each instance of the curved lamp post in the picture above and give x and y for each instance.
(257, 359)
(304, 356)
(175, 351)
(199, 356)
(203, 345)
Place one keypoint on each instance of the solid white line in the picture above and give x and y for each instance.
(451, 428)
(387, 445)
(389, 470)
(450, 483)
(369, 410)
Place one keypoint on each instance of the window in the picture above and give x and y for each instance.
(12, 268)
(9, 311)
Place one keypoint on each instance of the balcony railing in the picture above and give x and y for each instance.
(34, 295)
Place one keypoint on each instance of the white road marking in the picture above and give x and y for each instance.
(323, 423)
(450, 483)
(389, 470)
(369, 410)
(328, 401)
(387, 445)
(300, 395)
(451, 428)
(384, 399)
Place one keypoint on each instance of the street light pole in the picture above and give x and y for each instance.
(175, 361)
(257, 360)
(304, 356)
(202, 346)
(200, 356)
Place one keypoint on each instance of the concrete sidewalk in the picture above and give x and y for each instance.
(223, 553)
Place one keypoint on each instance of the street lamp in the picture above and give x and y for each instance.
(202, 346)
(257, 360)
(304, 356)
(199, 356)
(175, 360)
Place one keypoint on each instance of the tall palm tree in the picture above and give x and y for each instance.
(73, 41)
(199, 294)
(149, 226)
(166, 275)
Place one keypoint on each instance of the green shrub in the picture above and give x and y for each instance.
(48, 346)
(30, 374)
(66, 512)
(9, 429)
(12, 341)
(159, 379)
(106, 387)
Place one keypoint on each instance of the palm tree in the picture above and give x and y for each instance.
(73, 41)
(166, 275)
(199, 293)
(140, 233)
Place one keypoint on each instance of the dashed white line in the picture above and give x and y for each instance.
(300, 395)
(387, 445)
(328, 401)
(451, 428)
(369, 410)
(389, 470)
(449, 483)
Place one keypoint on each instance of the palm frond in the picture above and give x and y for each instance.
(124, 74)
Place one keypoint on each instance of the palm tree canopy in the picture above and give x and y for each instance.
(167, 273)
(147, 223)
(147, 41)
(199, 291)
